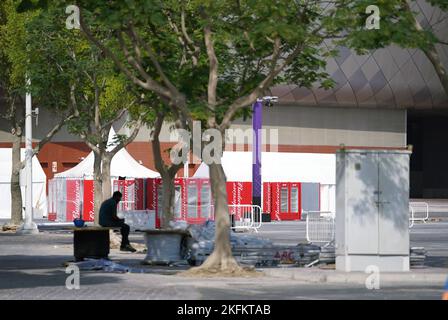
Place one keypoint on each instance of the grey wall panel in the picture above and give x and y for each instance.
(310, 196)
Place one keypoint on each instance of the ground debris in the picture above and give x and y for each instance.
(10, 228)
(106, 266)
(242, 272)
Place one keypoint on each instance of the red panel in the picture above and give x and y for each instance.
(183, 194)
(140, 194)
(267, 197)
(275, 192)
(295, 215)
(284, 215)
(151, 194)
(204, 183)
(158, 184)
(88, 209)
(192, 182)
(245, 189)
(275, 201)
(73, 204)
(239, 192)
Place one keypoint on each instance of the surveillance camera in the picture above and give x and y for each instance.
(268, 103)
(270, 100)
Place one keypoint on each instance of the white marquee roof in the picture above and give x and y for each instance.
(123, 165)
(278, 167)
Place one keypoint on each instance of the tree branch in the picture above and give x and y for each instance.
(195, 52)
(153, 59)
(213, 69)
(129, 139)
(137, 64)
(149, 84)
(51, 134)
(262, 86)
(431, 52)
(116, 118)
(155, 142)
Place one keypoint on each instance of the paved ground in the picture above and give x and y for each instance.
(31, 267)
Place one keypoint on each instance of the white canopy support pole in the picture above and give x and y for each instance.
(186, 169)
(28, 227)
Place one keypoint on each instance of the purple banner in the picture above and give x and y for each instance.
(256, 152)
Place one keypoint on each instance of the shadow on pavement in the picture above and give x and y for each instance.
(17, 279)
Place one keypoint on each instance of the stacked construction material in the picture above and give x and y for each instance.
(308, 253)
(247, 249)
(327, 255)
(417, 257)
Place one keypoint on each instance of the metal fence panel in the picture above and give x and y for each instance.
(320, 227)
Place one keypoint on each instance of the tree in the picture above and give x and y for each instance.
(75, 75)
(227, 54)
(14, 63)
(167, 171)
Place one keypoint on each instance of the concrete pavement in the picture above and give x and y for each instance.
(31, 267)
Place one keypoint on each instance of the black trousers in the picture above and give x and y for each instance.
(124, 229)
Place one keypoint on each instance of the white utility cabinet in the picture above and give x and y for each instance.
(372, 210)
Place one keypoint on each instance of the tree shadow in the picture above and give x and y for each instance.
(22, 277)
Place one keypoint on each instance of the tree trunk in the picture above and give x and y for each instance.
(221, 260)
(98, 186)
(167, 200)
(16, 193)
(105, 177)
(167, 174)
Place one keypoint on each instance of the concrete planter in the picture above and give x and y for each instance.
(164, 246)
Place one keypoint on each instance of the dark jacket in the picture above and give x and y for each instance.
(108, 213)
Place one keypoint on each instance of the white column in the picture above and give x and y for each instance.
(28, 227)
(186, 169)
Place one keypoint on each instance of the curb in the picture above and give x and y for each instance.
(330, 276)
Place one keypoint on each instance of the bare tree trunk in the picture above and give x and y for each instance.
(167, 200)
(16, 193)
(167, 174)
(98, 186)
(105, 176)
(221, 260)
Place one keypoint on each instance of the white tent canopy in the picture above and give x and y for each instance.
(283, 167)
(39, 185)
(123, 165)
(278, 167)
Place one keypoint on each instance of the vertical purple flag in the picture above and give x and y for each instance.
(256, 153)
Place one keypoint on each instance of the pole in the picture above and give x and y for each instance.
(28, 227)
(256, 152)
(186, 169)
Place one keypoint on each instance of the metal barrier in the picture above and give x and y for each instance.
(139, 219)
(126, 206)
(64, 206)
(63, 214)
(411, 217)
(246, 217)
(320, 227)
(419, 208)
